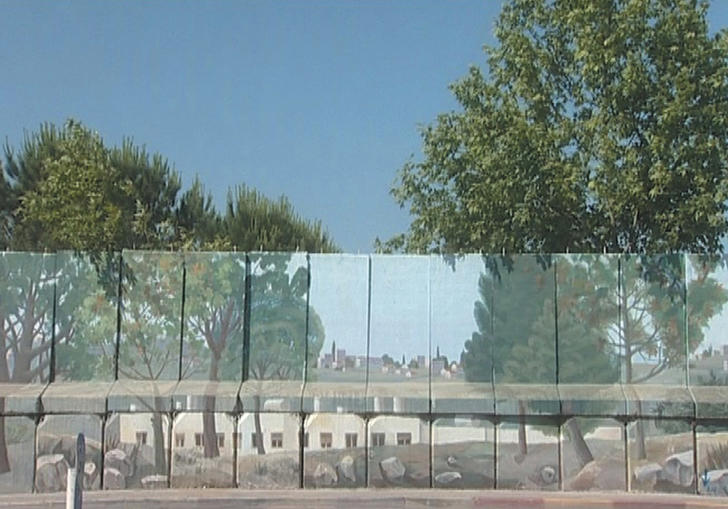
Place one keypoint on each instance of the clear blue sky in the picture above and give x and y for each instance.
(318, 100)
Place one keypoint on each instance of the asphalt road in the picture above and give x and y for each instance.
(360, 499)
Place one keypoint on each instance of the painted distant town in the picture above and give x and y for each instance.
(418, 366)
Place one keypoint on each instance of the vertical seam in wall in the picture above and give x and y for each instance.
(560, 434)
(686, 330)
(52, 368)
(696, 473)
(118, 316)
(306, 330)
(620, 326)
(492, 336)
(247, 303)
(560, 449)
(301, 432)
(429, 337)
(431, 458)
(496, 446)
(365, 418)
(369, 331)
(236, 446)
(627, 462)
(104, 418)
(170, 425)
(182, 318)
(37, 420)
(556, 326)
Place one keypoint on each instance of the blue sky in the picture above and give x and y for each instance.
(319, 100)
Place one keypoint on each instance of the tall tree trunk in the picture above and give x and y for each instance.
(522, 443)
(258, 427)
(4, 461)
(160, 455)
(581, 448)
(209, 432)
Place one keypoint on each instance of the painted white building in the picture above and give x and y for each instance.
(333, 431)
(457, 430)
(394, 430)
(280, 433)
(187, 432)
(138, 429)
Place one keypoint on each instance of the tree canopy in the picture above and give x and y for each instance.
(65, 189)
(597, 126)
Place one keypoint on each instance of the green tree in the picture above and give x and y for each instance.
(155, 197)
(80, 199)
(23, 173)
(597, 126)
(69, 191)
(252, 222)
(66, 190)
(6, 210)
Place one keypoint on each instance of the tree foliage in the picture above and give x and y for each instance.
(599, 125)
(66, 190)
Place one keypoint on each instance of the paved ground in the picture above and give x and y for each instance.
(360, 499)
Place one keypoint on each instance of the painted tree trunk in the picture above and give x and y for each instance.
(258, 427)
(522, 443)
(583, 453)
(160, 455)
(209, 431)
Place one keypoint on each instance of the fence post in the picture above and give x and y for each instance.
(74, 485)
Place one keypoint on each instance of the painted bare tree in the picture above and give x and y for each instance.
(26, 313)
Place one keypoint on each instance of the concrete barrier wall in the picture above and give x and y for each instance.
(289, 370)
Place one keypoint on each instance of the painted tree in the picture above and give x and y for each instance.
(652, 338)
(284, 334)
(149, 348)
(26, 311)
(214, 314)
(86, 316)
(512, 343)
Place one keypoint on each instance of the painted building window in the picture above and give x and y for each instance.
(350, 439)
(404, 438)
(327, 440)
(377, 439)
(198, 440)
(141, 437)
(179, 439)
(220, 440)
(276, 440)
